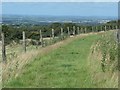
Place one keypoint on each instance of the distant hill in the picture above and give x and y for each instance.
(45, 20)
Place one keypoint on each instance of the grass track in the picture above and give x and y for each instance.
(64, 67)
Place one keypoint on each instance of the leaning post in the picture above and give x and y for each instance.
(92, 29)
(68, 31)
(96, 29)
(81, 30)
(105, 28)
(78, 30)
(61, 33)
(3, 48)
(41, 38)
(73, 30)
(109, 27)
(24, 42)
(85, 29)
(53, 34)
(116, 27)
(101, 28)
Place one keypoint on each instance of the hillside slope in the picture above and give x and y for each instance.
(66, 66)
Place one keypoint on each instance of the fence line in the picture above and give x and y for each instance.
(68, 29)
(53, 34)
(75, 31)
(4, 59)
(41, 38)
(78, 30)
(24, 42)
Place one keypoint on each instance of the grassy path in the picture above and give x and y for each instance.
(63, 67)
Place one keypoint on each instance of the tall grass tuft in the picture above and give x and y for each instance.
(109, 50)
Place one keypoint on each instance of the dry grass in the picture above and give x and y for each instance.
(106, 79)
(0, 67)
(14, 67)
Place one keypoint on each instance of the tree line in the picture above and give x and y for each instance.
(15, 32)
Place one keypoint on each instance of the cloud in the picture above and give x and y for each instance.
(60, 0)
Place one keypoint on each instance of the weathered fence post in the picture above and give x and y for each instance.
(105, 28)
(41, 38)
(116, 27)
(81, 30)
(92, 29)
(96, 29)
(112, 27)
(61, 33)
(118, 37)
(3, 48)
(68, 31)
(85, 29)
(24, 42)
(101, 28)
(109, 27)
(53, 34)
(78, 30)
(73, 30)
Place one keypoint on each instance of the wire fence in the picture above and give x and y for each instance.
(17, 54)
(39, 39)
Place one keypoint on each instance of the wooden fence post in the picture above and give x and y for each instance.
(105, 28)
(53, 34)
(81, 30)
(116, 27)
(78, 30)
(112, 27)
(101, 28)
(118, 37)
(73, 30)
(3, 48)
(85, 30)
(109, 27)
(96, 29)
(68, 31)
(92, 29)
(61, 33)
(41, 38)
(24, 42)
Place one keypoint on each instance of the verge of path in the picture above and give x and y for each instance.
(14, 67)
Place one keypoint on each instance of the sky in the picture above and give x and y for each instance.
(59, 0)
(61, 8)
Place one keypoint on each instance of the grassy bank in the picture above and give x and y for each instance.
(66, 67)
(103, 61)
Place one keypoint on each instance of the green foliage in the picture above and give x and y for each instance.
(109, 49)
(11, 34)
(14, 32)
(61, 68)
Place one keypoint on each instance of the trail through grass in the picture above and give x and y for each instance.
(64, 67)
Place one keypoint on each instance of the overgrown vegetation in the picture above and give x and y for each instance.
(103, 60)
(109, 50)
(66, 67)
(70, 60)
(63, 67)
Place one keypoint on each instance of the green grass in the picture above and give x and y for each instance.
(14, 51)
(64, 67)
(103, 61)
